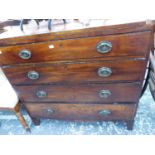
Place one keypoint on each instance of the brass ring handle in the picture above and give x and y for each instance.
(25, 54)
(104, 72)
(49, 111)
(105, 112)
(104, 94)
(104, 47)
(33, 75)
(41, 94)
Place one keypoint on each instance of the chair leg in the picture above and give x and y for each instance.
(22, 121)
(21, 118)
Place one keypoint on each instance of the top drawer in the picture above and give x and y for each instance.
(132, 44)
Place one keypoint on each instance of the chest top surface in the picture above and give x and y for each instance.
(72, 29)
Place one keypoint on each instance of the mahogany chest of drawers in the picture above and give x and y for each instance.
(91, 74)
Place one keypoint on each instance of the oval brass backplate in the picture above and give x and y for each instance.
(25, 54)
(33, 75)
(41, 94)
(104, 93)
(104, 47)
(104, 72)
(104, 112)
(49, 111)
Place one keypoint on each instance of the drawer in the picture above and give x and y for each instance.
(120, 92)
(84, 112)
(80, 72)
(132, 44)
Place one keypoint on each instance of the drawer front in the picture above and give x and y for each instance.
(133, 44)
(91, 71)
(91, 112)
(127, 92)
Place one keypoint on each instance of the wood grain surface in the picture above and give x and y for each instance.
(77, 72)
(84, 112)
(134, 44)
(120, 92)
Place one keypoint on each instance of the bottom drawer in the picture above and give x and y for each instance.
(85, 112)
